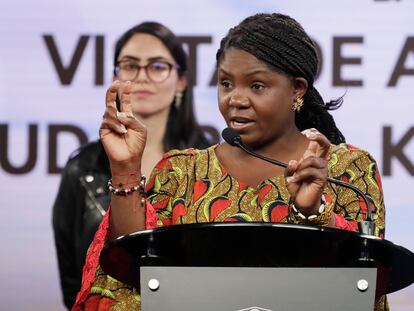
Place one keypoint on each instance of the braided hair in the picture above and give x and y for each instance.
(283, 45)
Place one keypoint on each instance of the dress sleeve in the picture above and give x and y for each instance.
(361, 170)
(357, 167)
(165, 182)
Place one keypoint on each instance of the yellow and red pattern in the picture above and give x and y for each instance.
(191, 186)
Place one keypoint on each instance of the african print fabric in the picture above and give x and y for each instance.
(191, 186)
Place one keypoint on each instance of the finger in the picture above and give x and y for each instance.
(291, 168)
(130, 122)
(312, 161)
(126, 98)
(110, 111)
(113, 126)
(311, 151)
(110, 97)
(311, 174)
(110, 116)
(289, 172)
(110, 121)
(321, 144)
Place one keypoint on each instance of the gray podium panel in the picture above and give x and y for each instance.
(257, 289)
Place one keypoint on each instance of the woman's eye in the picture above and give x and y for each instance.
(158, 67)
(225, 83)
(258, 86)
(129, 66)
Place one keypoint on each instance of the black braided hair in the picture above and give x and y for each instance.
(283, 45)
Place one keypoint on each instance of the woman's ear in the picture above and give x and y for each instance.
(300, 86)
(182, 84)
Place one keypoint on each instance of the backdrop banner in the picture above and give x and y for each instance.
(56, 64)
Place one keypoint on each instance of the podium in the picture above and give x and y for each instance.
(257, 266)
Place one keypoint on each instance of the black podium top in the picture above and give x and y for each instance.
(257, 245)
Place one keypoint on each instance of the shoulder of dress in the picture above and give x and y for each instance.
(342, 158)
(348, 151)
(185, 157)
(190, 152)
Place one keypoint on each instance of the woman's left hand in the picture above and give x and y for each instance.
(307, 177)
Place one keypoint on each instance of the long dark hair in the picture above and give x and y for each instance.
(182, 131)
(280, 42)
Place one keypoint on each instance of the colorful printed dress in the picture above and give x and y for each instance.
(191, 186)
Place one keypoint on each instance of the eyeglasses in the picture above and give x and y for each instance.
(157, 71)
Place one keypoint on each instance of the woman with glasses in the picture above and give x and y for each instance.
(151, 58)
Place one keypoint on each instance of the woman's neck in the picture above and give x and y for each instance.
(285, 148)
(252, 170)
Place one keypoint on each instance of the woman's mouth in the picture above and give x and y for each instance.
(239, 124)
(142, 93)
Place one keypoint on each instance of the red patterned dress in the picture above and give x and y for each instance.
(191, 186)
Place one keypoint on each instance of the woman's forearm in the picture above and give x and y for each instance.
(127, 215)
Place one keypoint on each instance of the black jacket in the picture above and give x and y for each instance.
(80, 204)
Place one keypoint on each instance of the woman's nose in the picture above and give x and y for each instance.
(238, 100)
(142, 76)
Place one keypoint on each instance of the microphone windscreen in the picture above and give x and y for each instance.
(230, 136)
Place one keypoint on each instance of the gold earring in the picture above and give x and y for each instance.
(297, 104)
(178, 99)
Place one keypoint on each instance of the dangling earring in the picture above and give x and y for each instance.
(297, 104)
(178, 99)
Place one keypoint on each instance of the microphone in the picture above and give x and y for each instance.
(366, 226)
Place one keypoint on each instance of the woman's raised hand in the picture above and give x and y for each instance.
(123, 136)
(307, 178)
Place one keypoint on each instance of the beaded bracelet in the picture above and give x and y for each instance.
(320, 210)
(127, 191)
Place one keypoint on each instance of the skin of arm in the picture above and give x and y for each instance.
(123, 138)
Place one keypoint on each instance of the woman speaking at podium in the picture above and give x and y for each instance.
(266, 68)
